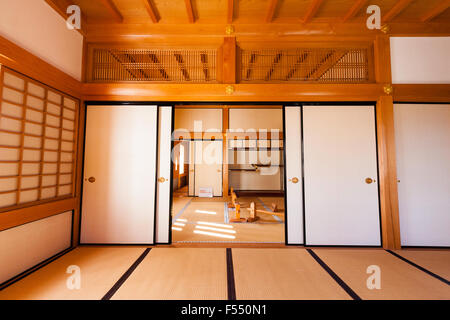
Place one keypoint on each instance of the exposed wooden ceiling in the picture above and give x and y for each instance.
(129, 16)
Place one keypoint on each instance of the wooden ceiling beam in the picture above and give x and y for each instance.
(151, 9)
(271, 10)
(190, 11)
(60, 6)
(312, 10)
(111, 7)
(435, 11)
(353, 11)
(230, 11)
(395, 10)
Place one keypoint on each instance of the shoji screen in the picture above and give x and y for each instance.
(37, 141)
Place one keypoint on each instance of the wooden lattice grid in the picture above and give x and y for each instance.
(323, 65)
(158, 65)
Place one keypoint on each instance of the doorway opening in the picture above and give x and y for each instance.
(228, 174)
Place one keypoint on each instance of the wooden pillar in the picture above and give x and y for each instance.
(229, 60)
(387, 165)
(78, 174)
(225, 126)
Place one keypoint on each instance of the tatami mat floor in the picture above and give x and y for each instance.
(208, 220)
(239, 273)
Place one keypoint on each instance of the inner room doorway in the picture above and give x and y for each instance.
(228, 174)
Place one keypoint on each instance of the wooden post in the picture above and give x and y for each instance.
(390, 226)
(229, 60)
(225, 125)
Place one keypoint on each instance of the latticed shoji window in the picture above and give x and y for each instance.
(37, 141)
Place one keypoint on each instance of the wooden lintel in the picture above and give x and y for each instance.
(242, 92)
(17, 217)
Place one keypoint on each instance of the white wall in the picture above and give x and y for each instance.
(256, 119)
(27, 245)
(420, 59)
(211, 119)
(36, 27)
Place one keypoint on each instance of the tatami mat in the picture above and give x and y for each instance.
(282, 274)
(434, 260)
(203, 220)
(178, 273)
(234, 232)
(399, 280)
(100, 268)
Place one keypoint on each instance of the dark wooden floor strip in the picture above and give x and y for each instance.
(230, 276)
(341, 282)
(419, 267)
(125, 276)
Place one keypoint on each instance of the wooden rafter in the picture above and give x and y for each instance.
(395, 10)
(353, 11)
(112, 9)
(312, 10)
(151, 9)
(190, 11)
(230, 11)
(271, 10)
(60, 6)
(435, 11)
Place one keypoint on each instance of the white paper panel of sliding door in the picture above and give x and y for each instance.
(164, 175)
(294, 192)
(341, 184)
(191, 181)
(208, 166)
(119, 175)
(422, 139)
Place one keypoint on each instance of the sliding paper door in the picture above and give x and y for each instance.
(119, 175)
(422, 138)
(340, 165)
(208, 166)
(294, 191)
(164, 175)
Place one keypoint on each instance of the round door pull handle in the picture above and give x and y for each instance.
(162, 179)
(91, 179)
(294, 180)
(369, 180)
